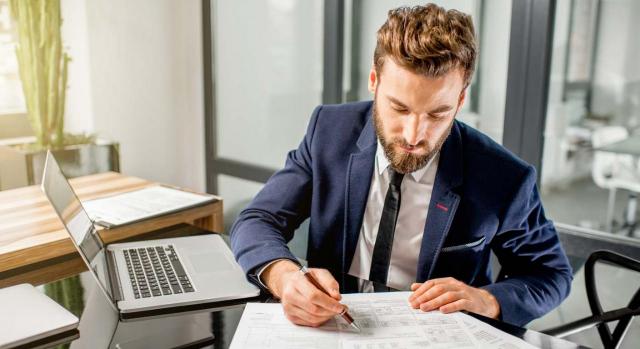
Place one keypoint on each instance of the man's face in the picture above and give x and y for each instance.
(413, 114)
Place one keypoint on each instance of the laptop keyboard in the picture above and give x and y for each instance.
(156, 271)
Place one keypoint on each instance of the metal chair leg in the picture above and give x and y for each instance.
(610, 208)
(630, 214)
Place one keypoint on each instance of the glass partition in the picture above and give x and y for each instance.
(590, 175)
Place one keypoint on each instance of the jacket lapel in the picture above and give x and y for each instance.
(443, 205)
(359, 172)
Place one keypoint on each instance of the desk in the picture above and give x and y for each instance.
(100, 328)
(35, 248)
(628, 146)
(216, 329)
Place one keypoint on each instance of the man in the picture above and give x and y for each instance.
(400, 194)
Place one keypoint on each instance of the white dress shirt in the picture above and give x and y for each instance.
(415, 194)
(415, 191)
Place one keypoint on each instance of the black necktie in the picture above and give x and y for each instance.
(384, 240)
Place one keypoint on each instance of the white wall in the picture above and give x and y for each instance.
(137, 78)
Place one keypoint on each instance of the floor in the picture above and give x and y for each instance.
(584, 204)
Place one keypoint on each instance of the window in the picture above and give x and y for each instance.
(484, 108)
(11, 98)
(594, 102)
(13, 118)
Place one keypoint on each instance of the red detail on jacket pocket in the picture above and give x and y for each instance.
(442, 207)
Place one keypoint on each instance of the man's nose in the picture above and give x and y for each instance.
(413, 130)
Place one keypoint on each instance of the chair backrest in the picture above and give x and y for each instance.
(609, 339)
(582, 245)
(604, 164)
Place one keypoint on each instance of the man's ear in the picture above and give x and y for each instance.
(462, 98)
(373, 80)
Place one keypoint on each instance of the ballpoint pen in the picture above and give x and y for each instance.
(345, 314)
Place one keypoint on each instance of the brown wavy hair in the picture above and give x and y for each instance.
(427, 40)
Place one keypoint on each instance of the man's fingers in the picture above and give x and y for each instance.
(301, 297)
(439, 301)
(459, 305)
(450, 295)
(314, 296)
(425, 286)
(315, 309)
(415, 285)
(299, 316)
(296, 320)
(327, 281)
(431, 293)
(294, 303)
(421, 289)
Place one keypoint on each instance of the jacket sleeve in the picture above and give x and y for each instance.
(262, 230)
(536, 275)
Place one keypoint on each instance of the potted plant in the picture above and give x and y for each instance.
(43, 66)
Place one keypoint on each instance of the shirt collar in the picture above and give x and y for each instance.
(418, 175)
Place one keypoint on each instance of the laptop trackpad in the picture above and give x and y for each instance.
(209, 262)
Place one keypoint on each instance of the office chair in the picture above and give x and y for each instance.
(601, 318)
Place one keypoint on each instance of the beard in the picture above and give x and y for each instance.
(402, 161)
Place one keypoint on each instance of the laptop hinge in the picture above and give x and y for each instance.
(114, 280)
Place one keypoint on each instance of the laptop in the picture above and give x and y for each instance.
(31, 318)
(153, 277)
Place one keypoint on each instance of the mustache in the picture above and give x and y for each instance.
(402, 142)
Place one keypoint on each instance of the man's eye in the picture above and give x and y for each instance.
(399, 109)
(437, 116)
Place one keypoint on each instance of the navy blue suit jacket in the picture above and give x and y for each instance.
(484, 198)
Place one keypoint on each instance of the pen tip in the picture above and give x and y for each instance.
(355, 327)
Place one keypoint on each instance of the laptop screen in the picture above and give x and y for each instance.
(75, 219)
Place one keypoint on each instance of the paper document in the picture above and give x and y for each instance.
(386, 320)
(141, 204)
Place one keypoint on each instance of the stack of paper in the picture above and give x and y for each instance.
(386, 320)
(141, 204)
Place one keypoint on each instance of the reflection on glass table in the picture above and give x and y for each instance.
(101, 328)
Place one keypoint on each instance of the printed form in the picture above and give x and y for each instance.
(386, 321)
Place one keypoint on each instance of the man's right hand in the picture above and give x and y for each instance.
(303, 303)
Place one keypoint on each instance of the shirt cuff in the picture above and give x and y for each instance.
(263, 268)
